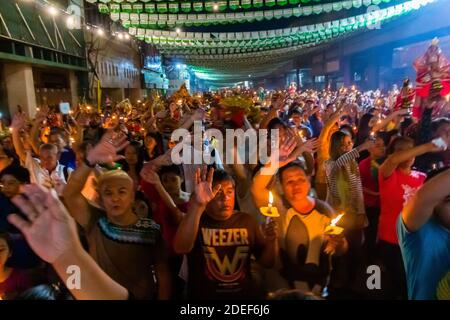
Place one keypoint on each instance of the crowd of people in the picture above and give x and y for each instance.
(98, 189)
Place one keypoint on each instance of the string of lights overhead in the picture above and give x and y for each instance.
(74, 20)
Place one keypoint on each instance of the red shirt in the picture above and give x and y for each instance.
(17, 282)
(369, 182)
(395, 191)
(161, 214)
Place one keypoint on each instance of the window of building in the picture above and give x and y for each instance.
(319, 79)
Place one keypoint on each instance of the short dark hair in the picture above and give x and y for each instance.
(20, 173)
(175, 169)
(276, 122)
(58, 131)
(293, 164)
(222, 175)
(395, 141)
(48, 147)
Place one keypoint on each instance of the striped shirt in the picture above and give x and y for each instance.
(345, 192)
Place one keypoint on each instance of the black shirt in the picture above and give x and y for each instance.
(219, 264)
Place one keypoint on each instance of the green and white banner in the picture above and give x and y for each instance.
(172, 12)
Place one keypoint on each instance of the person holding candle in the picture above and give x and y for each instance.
(219, 242)
(345, 194)
(304, 248)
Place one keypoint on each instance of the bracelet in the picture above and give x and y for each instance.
(86, 162)
(116, 166)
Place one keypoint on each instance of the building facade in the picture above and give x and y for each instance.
(42, 55)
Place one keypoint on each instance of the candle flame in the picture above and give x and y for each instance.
(336, 220)
(270, 197)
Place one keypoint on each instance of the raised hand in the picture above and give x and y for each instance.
(198, 115)
(42, 114)
(18, 121)
(285, 150)
(106, 150)
(366, 145)
(50, 230)
(204, 191)
(150, 175)
(310, 145)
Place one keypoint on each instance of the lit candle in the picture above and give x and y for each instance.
(332, 229)
(269, 205)
(270, 211)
